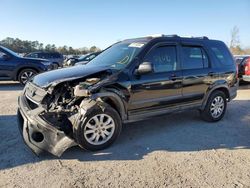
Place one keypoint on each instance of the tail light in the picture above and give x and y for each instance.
(247, 67)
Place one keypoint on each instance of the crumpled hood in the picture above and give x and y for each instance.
(65, 74)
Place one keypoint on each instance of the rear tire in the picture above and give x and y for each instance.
(215, 108)
(99, 129)
(55, 65)
(25, 75)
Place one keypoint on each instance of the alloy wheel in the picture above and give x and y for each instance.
(217, 107)
(99, 129)
(26, 76)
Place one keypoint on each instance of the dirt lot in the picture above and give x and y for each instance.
(177, 150)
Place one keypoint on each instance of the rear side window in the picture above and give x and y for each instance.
(194, 57)
(51, 56)
(43, 55)
(222, 54)
(55, 55)
(163, 59)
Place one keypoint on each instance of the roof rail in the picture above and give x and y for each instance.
(162, 35)
(203, 37)
(174, 35)
(155, 35)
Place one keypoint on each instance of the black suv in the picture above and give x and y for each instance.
(55, 57)
(131, 80)
(17, 68)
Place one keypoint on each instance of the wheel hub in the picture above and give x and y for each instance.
(99, 129)
(217, 107)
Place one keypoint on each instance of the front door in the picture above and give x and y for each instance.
(160, 88)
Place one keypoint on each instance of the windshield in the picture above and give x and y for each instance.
(10, 51)
(117, 56)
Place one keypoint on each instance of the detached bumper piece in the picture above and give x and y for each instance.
(39, 135)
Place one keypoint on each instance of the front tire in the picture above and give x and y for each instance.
(25, 75)
(215, 108)
(99, 129)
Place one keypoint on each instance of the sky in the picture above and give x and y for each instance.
(80, 23)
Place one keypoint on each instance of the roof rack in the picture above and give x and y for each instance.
(155, 35)
(176, 36)
(162, 35)
(203, 37)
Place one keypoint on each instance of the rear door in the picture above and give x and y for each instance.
(160, 88)
(196, 72)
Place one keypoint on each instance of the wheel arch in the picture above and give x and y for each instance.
(113, 100)
(22, 68)
(223, 88)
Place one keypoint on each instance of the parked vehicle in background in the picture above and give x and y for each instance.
(132, 80)
(67, 57)
(244, 69)
(17, 68)
(81, 60)
(55, 57)
(239, 58)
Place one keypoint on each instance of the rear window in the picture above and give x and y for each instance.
(222, 54)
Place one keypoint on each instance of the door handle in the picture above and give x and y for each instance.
(173, 77)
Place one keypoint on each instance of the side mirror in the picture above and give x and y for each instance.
(5, 57)
(144, 68)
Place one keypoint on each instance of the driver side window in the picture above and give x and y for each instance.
(163, 59)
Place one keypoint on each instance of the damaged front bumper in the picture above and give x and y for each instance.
(38, 134)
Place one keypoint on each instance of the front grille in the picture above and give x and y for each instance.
(32, 104)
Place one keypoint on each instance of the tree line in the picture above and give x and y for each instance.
(235, 46)
(25, 46)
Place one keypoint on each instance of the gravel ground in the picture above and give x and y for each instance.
(177, 150)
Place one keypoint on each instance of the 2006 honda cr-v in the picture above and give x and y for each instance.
(131, 80)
